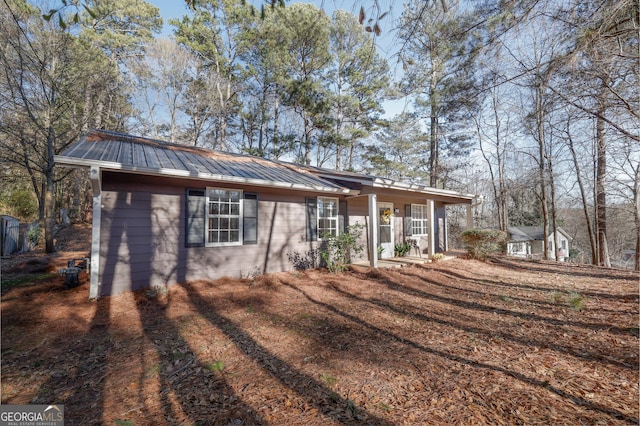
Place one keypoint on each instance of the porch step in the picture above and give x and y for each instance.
(398, 262)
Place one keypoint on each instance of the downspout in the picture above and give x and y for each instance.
(96, 186)
(431, 237)
(373, 231)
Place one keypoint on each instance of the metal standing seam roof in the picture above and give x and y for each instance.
(117, 151)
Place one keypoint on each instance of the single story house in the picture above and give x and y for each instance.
(166, 213)
(528, 241)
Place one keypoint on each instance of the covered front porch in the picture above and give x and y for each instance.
(417, 218)
(397, 214)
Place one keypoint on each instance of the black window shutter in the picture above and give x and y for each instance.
(343, 218)
(250, 218)
(408, 223)
(312, 219)
(195, 218)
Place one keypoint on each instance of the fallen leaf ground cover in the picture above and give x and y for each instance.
(456, 342)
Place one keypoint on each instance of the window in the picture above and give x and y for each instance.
(224, 216)
(419, 223)
(220, 217)
(327, 216)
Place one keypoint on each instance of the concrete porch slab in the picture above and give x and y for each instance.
(398, 262)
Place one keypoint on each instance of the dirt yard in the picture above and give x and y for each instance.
(455, 342)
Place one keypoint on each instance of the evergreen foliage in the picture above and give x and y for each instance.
(482, 243)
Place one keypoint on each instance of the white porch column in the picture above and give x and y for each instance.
(96, 185)
(469, 216)
(431, 220)
(373, 230)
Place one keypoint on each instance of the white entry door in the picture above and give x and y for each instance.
(385, 230)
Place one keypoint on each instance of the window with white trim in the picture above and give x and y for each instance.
(224, 217)
(212, 217)
(327, 216)
(419, 222)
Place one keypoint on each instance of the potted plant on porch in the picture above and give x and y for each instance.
(402, 249)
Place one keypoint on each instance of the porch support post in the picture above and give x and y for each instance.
(373, 231)
(96, 185)
(431, 220)
(469, 216)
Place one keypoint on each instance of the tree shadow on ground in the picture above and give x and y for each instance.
(570, 269)
(495, 285)
(590, 353)
(623, 297)
(314, 393)
(189, 391)
(84, 398)
(497, 310)
(392, 337)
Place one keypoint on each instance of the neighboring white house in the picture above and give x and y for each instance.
(528, 241)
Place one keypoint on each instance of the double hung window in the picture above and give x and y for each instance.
(419, 223)
(224, 217)
(327, 217)
(221, 217)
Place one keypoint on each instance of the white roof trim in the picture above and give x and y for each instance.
(108, 165)
(413, 187)
(377, 182)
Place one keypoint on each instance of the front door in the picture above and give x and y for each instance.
(385, 230)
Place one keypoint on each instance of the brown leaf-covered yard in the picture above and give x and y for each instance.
(454, 342)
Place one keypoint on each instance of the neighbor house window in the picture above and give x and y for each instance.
(224, 217)
(327, 216)
(419, 223)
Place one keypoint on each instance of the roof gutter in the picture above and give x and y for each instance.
(421, 189)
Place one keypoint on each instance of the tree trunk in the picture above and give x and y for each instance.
(552, 188)
(601, 173)
(433, 133)
(541, 165)
(636, 198)
(276, 117)
(494, 185)
(49, 209)
(585, 205)
(433, 149)
(636, 211)
(307, 141)
(351, 151)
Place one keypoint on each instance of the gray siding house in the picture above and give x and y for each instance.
(166, 213)
(528, 241)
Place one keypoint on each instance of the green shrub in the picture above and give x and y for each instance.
(33, 235)
(482, 243)
(577, 301)
(337, 250)
(400, 249)
(19, 201)
(308, 260)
